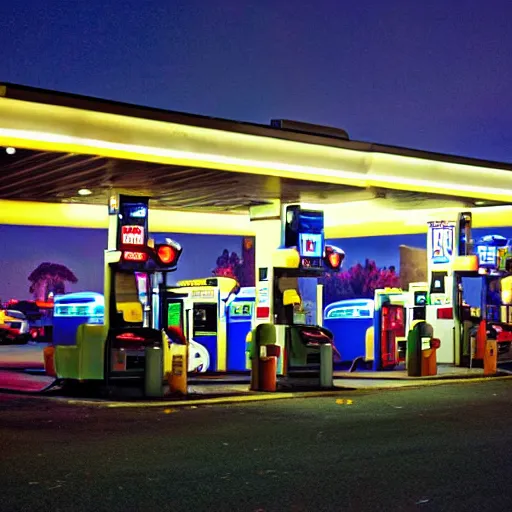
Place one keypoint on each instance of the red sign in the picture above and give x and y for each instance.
(134, 256)
(262, 312)
(132, 235)
(310, 246)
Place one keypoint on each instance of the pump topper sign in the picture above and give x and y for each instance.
(442, 241)
(132, 235)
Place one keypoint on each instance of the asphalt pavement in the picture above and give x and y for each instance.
(443, 447)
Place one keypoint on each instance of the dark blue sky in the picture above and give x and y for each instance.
(81, 250)
(433, 75)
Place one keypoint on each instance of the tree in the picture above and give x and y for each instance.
(50, 278)
(228, 265)
(248, 275)
(359, 282)
(242, 269)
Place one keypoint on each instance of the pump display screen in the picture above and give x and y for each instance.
(174, 312)
(311, 221)
(420, 298)
(241, 309)
(136, 211)
(487, 255)
(311, 245)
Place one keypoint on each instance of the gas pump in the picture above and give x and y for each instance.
(116, 348)
(216, 315)
(389, 328)
(452, 257)
(303, 254)
(490, 321)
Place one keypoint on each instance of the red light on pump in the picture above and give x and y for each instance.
(166, 254)
(334, 257)
(134, 256)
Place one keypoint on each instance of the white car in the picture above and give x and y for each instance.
(198, 357)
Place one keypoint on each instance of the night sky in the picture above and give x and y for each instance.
(432, 75)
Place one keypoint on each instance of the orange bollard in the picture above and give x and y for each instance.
(491, 358)
(267, 373)
(428, 362)
(49, 361)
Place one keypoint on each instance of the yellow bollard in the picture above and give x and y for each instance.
(176, 360)
(177, 377)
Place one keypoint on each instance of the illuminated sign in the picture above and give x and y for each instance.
(350, 312)
(311, 245)
(134, 256)
(198, 282)
(442, 238)
(132, 235)
(204, 294)
(487, 256)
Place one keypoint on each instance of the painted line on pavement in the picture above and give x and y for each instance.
(282, 396)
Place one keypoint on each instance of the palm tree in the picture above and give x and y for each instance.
(50, 278)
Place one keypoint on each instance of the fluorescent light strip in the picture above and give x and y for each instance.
(24, 135)
(421, 184)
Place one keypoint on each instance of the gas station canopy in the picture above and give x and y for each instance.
(194, 165)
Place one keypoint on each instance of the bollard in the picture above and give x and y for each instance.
(491, 357)
(177, 377)
(267, 374)
(153, 372)
(326, 366)
(49, 361)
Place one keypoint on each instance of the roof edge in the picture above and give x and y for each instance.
(81, 102)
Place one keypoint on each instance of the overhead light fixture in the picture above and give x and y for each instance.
(10, 150)
(84, 192)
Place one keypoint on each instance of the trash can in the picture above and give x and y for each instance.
(153, 372)
(419, 340)
(264, 335)
(267, 373)
(491, 357)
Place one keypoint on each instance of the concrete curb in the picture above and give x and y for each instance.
(226, 400)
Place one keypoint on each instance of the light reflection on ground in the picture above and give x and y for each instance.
(22, 356)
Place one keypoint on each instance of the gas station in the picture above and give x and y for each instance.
(80, 162)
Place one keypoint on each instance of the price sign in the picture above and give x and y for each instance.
(132, 235)
(134, 256)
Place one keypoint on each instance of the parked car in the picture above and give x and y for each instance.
(14, 327)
